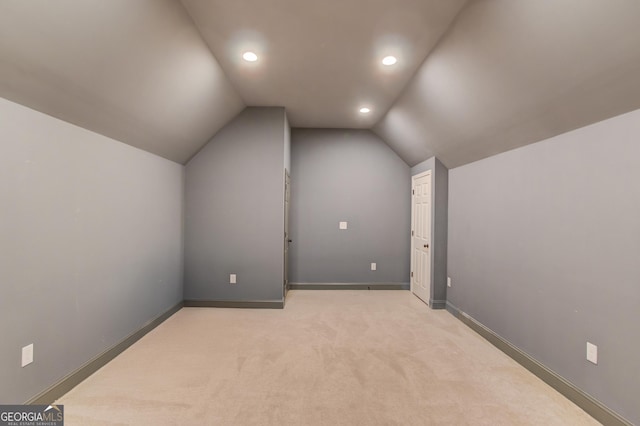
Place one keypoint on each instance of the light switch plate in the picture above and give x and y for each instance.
(343, 225)
(592, 353)
(232, 278)
(374, 266)
(27, 355)
(448, 281)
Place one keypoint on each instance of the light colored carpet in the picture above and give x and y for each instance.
(329, 358)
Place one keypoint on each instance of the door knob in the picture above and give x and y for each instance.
(426, 246)
(290, 241)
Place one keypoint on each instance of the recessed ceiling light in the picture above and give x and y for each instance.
(249, 56)
(389, 60)
(365, 110)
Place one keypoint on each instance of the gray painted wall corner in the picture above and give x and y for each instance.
(440, 231)
(234, 198)
(287, 143)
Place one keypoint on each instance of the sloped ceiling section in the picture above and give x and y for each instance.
(509, 73)
(135, 71)
(322, 59)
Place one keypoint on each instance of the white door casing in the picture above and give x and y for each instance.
(421, 236)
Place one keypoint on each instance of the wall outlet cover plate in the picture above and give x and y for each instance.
(27, 355)
(592, 353)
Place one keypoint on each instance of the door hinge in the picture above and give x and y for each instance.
(412, 233)
(412, 275)
(413, 192)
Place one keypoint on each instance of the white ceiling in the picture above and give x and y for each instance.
(136, 71)
(165, 76)
(510, 73)
(322, 59)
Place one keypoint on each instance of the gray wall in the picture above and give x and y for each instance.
(439, 227)
(544, 249)
(353, 176)
(234, 208)
(90, 245)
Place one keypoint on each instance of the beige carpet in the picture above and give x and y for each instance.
(329, 358)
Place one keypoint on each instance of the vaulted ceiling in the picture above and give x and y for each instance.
(473, 78)
(322, 59)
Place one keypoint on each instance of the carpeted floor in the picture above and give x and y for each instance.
(329, 358)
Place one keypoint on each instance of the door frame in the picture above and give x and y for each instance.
(411, 232)
(287, 234)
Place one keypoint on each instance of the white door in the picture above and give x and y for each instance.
(421, 236)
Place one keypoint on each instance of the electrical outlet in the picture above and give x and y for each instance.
(343, 225)
(374, 266)
(232, 278)
(592, 353)
(27, 355)
(448, 281)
